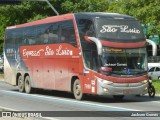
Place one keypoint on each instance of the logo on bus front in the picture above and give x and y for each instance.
(121, 28)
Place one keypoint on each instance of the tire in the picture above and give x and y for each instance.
(28, 87)
(20, 84)
(159, 78)
(77, 90)
(151, 91)
(118, 97)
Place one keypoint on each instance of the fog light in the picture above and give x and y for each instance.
(146, 88)
(105, 89)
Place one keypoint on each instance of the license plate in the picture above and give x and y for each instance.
(126, 92)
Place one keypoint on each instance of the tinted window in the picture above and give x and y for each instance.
(90, 55)
(11, 38)
(44, 34)
(40, 34)
(91, 59)
(50, 34)
(157, 69)
(29, 36)
(68, 33)
(152, 69)
(86, 28)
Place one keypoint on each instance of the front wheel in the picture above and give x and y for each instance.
(77, 90)
(151, 91)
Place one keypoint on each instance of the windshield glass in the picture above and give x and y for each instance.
(125, 61)
(119, 29)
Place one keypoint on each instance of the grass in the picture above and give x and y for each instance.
(156, 84)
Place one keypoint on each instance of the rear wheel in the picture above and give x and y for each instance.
(28, 87)
(20, 84)
(77, 91)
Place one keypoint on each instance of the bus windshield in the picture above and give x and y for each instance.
(125, 61)
(119, 29)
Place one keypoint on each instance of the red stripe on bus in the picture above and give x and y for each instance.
(123, 45)
(128, 80)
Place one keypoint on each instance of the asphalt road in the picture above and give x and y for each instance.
(94, 106)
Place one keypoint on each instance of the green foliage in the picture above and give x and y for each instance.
(18, 14)
(28, 11)
(156, 84)
(147, 11)
(85, 5)
(36, 17)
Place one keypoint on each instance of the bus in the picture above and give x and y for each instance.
(82, 53)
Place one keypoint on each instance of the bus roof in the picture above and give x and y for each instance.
(103, 14)
(90, 15)
(43, 21)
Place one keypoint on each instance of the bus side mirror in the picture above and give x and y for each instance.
(96, 41)
(87, 39)
(154, 47)
(106, 69)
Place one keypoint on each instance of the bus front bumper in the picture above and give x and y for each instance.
(109, 88)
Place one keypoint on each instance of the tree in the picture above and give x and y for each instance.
(18, 14)
(85, 5)
(147, 11)
(28, 11)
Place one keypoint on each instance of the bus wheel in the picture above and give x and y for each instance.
(118, 97)
(20, 84)
(28, 87)
(77, 91)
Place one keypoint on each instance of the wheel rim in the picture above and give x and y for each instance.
(20, 84)
(27, 85)
(78, 89)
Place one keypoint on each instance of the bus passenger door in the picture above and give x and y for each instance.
(91, 64)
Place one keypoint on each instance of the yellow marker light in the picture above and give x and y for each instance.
(145, 81)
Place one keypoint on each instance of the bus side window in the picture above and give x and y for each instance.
(68, 33)
(73, 38)
(47, 34)
(86, 28)
(39, 35)
(29, 36)
(53, 31)
(25, 37)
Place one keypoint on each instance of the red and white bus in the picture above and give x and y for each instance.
(83, 53)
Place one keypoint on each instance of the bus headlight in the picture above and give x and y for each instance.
(107, 82)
